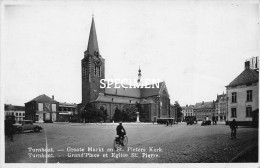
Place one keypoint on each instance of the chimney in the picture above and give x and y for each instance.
(247, 64)
(53, 97)
(202, 102)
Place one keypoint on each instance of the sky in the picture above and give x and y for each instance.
(196, 47)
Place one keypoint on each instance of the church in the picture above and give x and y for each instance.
(155, 101)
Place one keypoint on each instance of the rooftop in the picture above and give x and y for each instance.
(43, 98)
(248, 76)
(10, 107)
(204, 105)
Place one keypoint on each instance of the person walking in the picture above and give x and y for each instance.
(167, 123)
(11, 129)
(233, 127)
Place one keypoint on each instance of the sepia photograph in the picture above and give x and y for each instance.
(129, 83)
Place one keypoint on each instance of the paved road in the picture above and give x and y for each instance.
(91, 143)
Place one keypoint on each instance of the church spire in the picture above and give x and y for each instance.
(139, 75)
(92, 41)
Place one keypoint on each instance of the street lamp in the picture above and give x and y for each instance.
(159, 109)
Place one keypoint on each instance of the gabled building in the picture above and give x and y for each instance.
(204, 110)
(188, 110)
(42, 109)
(154, 101)
(221, 107)
(243, 96)
(183, 111)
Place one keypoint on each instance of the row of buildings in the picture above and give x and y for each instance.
(240, 102)
(46, 109)
(42, 109)
(202, 110)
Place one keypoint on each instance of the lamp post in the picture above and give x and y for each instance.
(159, 106)
(137, 117)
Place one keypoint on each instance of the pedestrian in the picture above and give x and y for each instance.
(12, 132)
(11, 129)
(213, 119)
(233, 127)
(167, 123)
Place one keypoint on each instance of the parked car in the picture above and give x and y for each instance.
(207, 122)
(27, 125)
(190, 120)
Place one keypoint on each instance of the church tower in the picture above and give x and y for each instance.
(139, 75)
(92, 68)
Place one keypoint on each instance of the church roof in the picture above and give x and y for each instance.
(128, 92)
(134, 92)
(43, 98)
(92, 41)
(124, 100)
(146, 92)
(116, 99)
(248, 76)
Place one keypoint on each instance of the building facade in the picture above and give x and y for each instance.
(204, 110)
(17, 111)
(42, 109)
(243, 96)
(66, 111)
(221, 107)
(173, 112)
(183, 111)
(155, 101)
(188, 110)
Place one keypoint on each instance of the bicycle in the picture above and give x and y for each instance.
(233, 134)
(119, 142)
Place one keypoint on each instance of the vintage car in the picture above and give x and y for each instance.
(190, 120)
(26, 125)
(207, 122)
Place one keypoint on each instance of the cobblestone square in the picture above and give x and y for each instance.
(148, 143)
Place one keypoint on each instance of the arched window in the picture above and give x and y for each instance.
(103, 107)
(164, 103)
(97, 71)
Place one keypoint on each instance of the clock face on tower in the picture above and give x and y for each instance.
(97, 61)
(96, 53)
